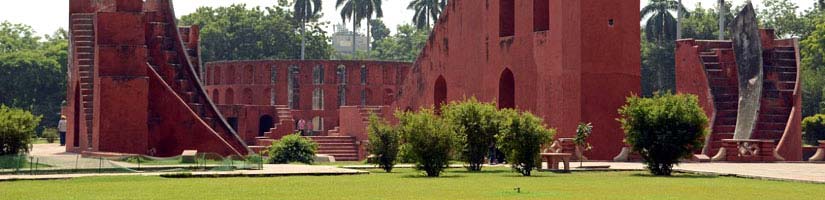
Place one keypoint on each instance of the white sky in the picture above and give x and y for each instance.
(46, 16)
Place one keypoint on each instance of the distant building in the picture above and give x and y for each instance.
(342, 40)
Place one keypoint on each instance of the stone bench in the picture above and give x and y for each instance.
(747, 150)
(820, 153)
(554, 158)
(188, 156)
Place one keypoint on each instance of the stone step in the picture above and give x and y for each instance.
(85, 55)
(709, 58)
(726, 105)
(724, 128)
(720, 113)
(712, 65)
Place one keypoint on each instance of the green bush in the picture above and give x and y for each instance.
(383, 144)
(405, 154)
(521, 138)
(16, 130)
(50, 134)
(814, 127)
(292, 148)
(475, 124)
(430, 140)
(663, 129)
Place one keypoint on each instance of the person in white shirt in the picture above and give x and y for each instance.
(61, 128)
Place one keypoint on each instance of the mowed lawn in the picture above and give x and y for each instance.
(493, 183)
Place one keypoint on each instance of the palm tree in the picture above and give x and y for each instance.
(352, 10)
(372, 7)
(304, 11)
(661, 26)
(426, 10)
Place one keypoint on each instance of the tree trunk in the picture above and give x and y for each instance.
(303, 40)
(369, 33)
(679, 20)
(354, 43)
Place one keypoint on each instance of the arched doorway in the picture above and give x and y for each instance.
(264, 124)
(506, 90)
(440, 93)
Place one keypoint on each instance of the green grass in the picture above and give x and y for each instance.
(493, 183)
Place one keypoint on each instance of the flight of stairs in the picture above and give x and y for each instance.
(173, 67)
(83, 35)
(343, 148)
(777, 95)
(722, 79)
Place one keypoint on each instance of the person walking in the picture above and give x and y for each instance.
(61, 129)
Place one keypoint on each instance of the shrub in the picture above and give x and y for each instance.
(583, 131)
(50, 134)
(663, 129)
(814, 127)
(383, 143)
(405, 154)
(292, 148)
(475, 124)
(16, 130)
(430, 141)
(521, 138)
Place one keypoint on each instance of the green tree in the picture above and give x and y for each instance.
(521, 138)
(813, 66)
(305, 10)
(781, 16)
(352, 10)
(661, 25)
(405, 45)
(426, 11)
(17, 127)
(814, 127)
(430, 141)
(293, 148)
(703, 23)
(379, 31)
(384, 143)
(663, 129)
(238, 33)
(476, 124)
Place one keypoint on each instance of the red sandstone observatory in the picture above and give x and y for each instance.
(136, 84)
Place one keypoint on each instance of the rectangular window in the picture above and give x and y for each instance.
(318, 75)
(363, 97)
(541, 15)
(342, 95)
(506, 14)
(294, 87)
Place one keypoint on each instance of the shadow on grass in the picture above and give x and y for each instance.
(676, 175)
(424, 176)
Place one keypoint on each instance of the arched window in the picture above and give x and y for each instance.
(318, 75)
(440, 93)
(230, 75)
(294, 87)
(318, 99)
(506, 90)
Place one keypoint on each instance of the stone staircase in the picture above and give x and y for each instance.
(83, 34)
(174, 67)
(343, 148)
(722, 79)
(777, 95)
